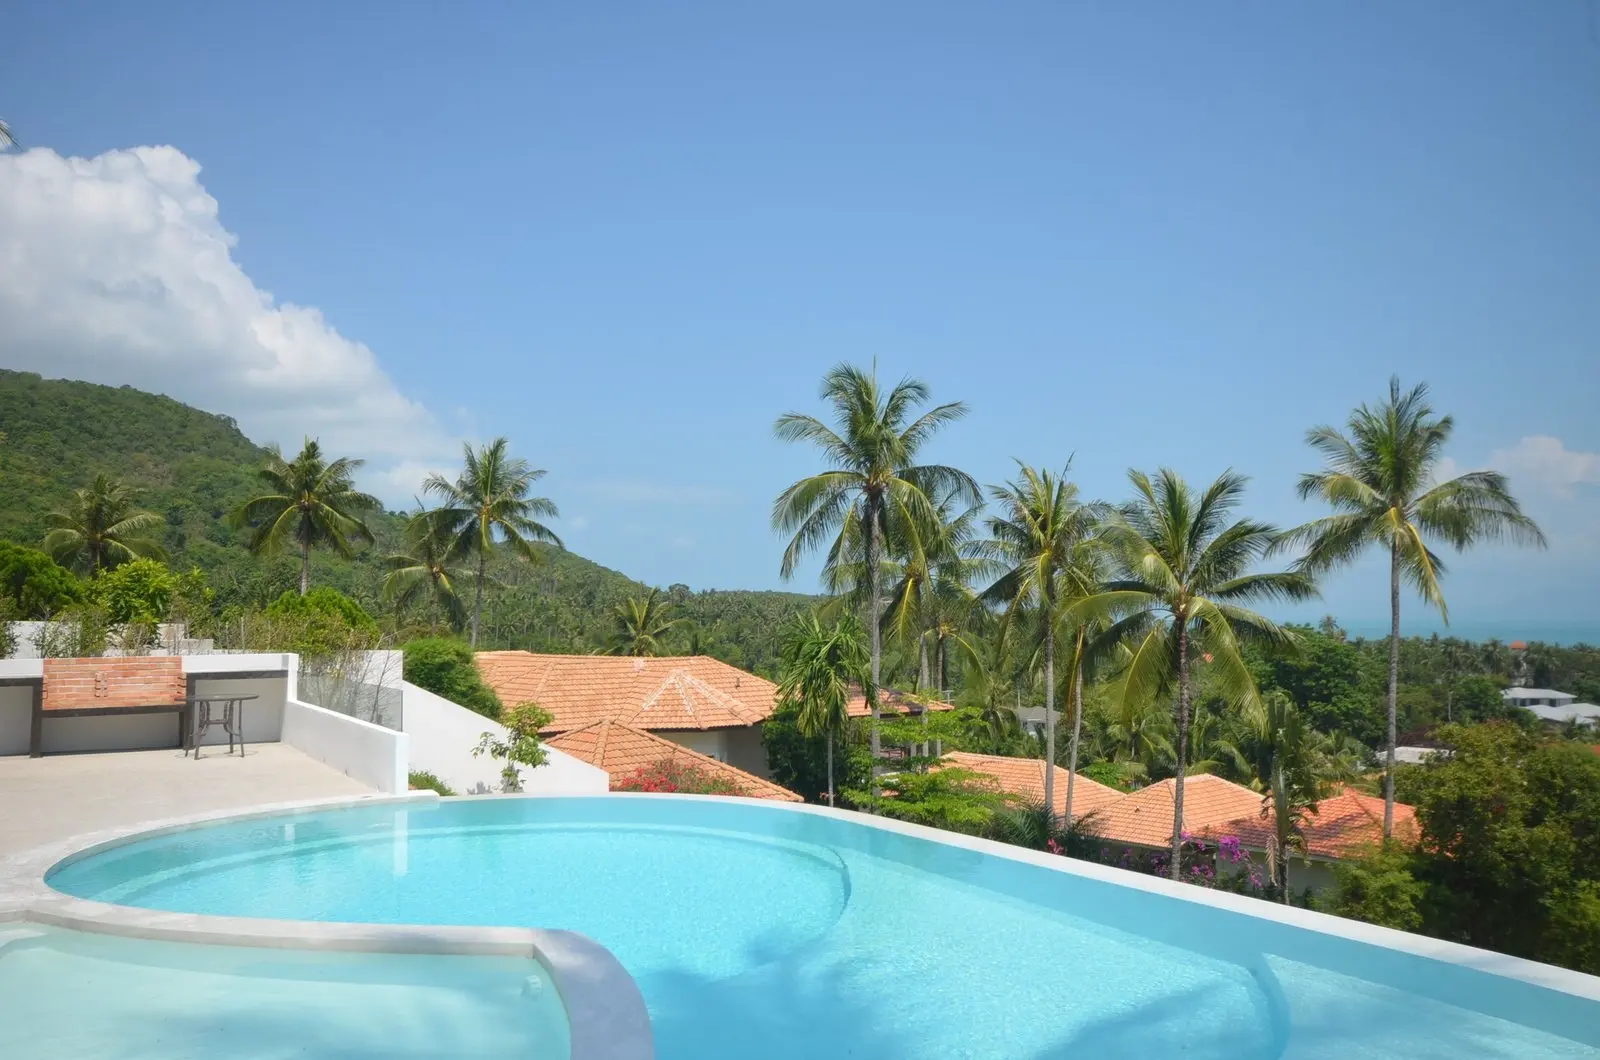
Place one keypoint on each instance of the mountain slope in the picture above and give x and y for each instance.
(195, 465)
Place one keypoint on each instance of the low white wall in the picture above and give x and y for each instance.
(443, 735)
(360, 750)
(16, 718)
(263, 716)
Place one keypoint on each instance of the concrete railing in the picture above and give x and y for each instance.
(370, 753)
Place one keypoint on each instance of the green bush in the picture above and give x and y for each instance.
(1379, 888)
(140, 590)
(36, 585)
(445, 668)
(323, 602)
(421, 780)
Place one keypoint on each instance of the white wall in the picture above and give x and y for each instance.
(712, 742)
(747, 752)
(443, 735)
(16, 718)
(263, 716)
(360, 750)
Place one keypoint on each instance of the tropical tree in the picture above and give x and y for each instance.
(1292, 765)
(820, 664)
(1044, 547)
(638, 625)
(101, 528)
(1379, 480)
(311, 502)
(425, 570)
(488, 505)
(7, 139)
(1185, 572)
(872, 449)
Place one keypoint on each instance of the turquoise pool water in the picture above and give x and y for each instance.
(759, 932)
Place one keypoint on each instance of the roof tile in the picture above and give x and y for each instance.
(1144, 818)
(1344, 826)
(1025, 777)
(622, 750)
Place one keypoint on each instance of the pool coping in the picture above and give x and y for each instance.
(606, 1014)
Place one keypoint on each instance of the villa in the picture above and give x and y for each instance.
(1553, 707)
(622, 750)
(1024, 778)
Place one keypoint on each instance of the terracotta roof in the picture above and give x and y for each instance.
(1343, 826)
(667, 692)
(1025, 777)
(621, 750)
(891, 700)
(1144, 818)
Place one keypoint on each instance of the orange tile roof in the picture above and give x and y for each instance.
(622, 750)
(1343, 826)
(1144, 818)
(890, 701)
(1025, 777)
(667, 692)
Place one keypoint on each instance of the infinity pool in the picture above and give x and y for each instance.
(755, 931)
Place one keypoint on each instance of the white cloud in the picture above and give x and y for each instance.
(116, 269)
(1544, 463)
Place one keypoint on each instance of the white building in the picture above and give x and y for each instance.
(1552, 706)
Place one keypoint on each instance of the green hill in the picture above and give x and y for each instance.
(195, 465)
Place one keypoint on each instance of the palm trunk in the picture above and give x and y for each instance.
(1183, 745)
(305, 567)
(1049, 716)
(1394, 689)
(830, 767)
(1077, 724)
(922, 664)
(877, 639)
(942, 665)
(477, 601)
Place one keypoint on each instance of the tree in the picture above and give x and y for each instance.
(446, 668)
(1289, 766)
(488, 505)
(137, 591)
(1047, 555)
(1185, 572)
(638, 625)
(820, 665)
(873, 477)
(424, 570)
(518, 745)
(1379, 480)
(101, 528)
(36, 585)
(311, 502)
(7, 139)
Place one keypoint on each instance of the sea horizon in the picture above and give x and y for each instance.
(1547, 631)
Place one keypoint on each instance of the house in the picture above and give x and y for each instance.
(622, 750)
(1024, 778)
(1553, 707)
(1144, 818)
(1343, 826)
(694, 701)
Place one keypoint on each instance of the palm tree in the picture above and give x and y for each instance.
(312, 502)
(1292, 765)
(101, 528)
(873, 478)
(425, 569)
(1184, 574)
(820, 664)
(1379, 481)
(7, 139)
(488, 505)
(1044, 548)
(638, 625)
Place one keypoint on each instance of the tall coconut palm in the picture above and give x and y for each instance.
(101, 528)
(1379, 480)
(1044, 549)
(425, 570)
(488, 505)
(6, 137)
(312, 502)
(872, 449)
(819, 664)
(1185, 571)
(639, 626)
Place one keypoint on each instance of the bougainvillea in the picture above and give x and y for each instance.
(671, 775)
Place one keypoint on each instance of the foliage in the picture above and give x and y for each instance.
(1108, 773)
(1334, 683)
(446, 668)
(421, 780)
(955, 799)
(35, 585)
(518, 745)
(1379, 888)
(799, 762)
(140, 590)
(323, 602)
(73, 633)
(101, 528)
(822, 664)
(673, 775)
(310, 502)
(424, 572)
(639, 626)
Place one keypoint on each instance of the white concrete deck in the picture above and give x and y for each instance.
(43, 800)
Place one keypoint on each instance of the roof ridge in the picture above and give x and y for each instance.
(600, 741)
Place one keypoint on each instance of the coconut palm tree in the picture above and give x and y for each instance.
(638, 625)
(425, 569)
(1379, 480)
(101, 528)
(873, 477)
(1185, 571)
(1044, 549)
(6, 137)
(487, 506)
(311, 502)
(819, 666)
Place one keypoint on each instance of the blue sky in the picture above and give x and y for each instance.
(629, 239)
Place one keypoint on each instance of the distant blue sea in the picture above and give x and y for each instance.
(1507, 630)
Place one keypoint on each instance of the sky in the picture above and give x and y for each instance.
(629, 237)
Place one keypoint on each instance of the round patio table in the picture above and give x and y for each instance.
(231, 719)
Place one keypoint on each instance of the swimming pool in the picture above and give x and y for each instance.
(756, 930)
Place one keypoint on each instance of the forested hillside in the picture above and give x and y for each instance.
(192, 466)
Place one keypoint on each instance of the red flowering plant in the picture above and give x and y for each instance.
(671, 775)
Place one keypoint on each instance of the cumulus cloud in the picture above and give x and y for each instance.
(116, 269)
(1545, 463)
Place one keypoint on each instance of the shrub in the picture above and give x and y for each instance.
(140, 590)
(36, 585)
(323, 602)
(445, 668)
(421, 780)
(1379, 889)
(672, 775)
(519, 745)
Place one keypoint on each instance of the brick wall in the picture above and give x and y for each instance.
(135, 681)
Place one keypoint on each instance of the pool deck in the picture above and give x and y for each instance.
(44, 800)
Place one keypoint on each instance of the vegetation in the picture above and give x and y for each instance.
(1379, 480)
(424, 572)
(311, 503)
(34, 585)
(822, 664)
(640, 627)
(445, 668)
(518, 745)
(680, 777)
(101, 528)
(421, 780)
